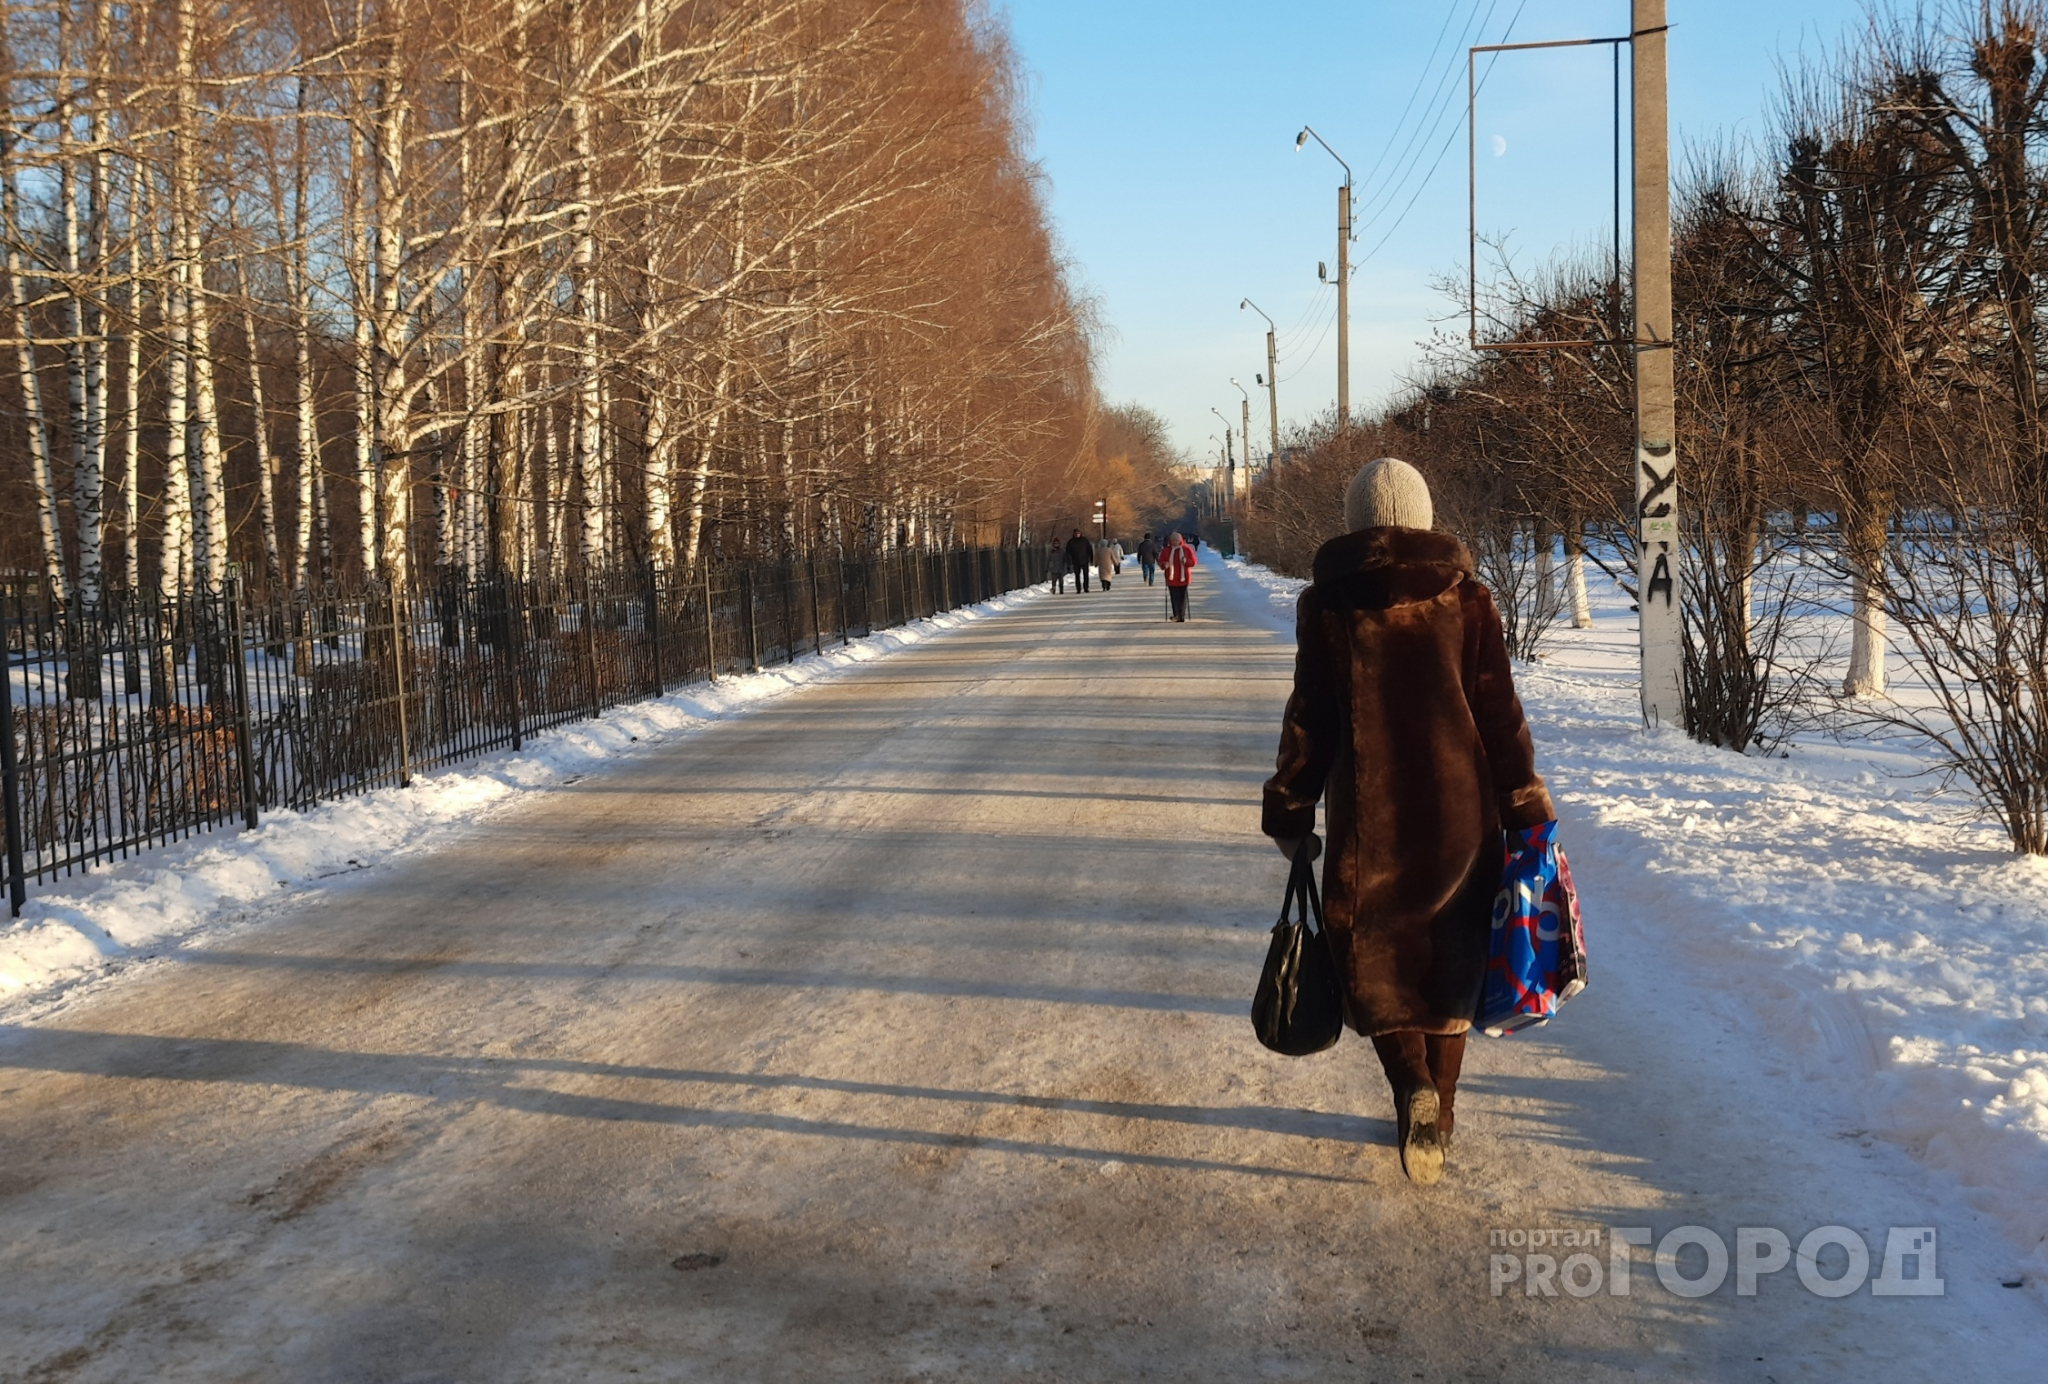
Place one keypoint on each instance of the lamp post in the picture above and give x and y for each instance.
(1229, 464)
(1245, 432)
(1343, 276)
(1271, 380)
(1102, 517)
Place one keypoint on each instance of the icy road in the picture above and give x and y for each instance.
(896, 1030)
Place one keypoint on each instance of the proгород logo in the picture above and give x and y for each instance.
(1693, 1261)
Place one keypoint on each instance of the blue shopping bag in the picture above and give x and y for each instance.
(1537, 959)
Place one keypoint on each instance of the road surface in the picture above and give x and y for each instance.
(895, 1030)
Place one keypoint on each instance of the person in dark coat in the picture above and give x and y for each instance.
(1056, 567)
(1080, 559)
(1148, 556)
(1404, 719)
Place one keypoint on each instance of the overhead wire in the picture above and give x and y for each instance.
(1440, 104)
(1318, 314)
(1444, 148)
(1421, 76)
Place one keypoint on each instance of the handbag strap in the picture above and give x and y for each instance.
(1303, 899)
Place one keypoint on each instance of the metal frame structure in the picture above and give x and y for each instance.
(1472, 194)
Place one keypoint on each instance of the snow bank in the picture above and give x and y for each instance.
(95, 924)
(1884, 937)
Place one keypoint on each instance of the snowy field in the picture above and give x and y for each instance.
(1881, 937)
(92, 927)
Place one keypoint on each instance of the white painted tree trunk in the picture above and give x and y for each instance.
(1867, 639)
(1575, 579)
(1866, 530)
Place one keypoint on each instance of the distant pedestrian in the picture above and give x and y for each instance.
(1056, 568)
(1405, 724)
(1148, 556)
(1178, 565)
(1107, 560)
(1080, 557)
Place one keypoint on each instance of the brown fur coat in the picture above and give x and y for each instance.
(1404, 713)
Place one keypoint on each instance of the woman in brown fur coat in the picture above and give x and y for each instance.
(1404, 717)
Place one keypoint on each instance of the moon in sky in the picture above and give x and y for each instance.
(1500, 145)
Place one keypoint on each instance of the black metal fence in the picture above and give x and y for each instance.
(145, 721)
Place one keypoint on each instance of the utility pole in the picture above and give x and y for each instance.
(1245, 432)
(1229, 463)
(1344, 303)
(1343, 276)
(1657, 546)
(1271, 381)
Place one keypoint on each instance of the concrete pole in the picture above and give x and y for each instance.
(1658, 551)
(1246, 434)
(1273, 399)
(1344, 299)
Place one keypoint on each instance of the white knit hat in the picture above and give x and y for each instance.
(1387, 494)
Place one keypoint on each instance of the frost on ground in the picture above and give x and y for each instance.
(1878, 931)
(93, 925)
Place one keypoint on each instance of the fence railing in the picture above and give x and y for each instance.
(144, 721)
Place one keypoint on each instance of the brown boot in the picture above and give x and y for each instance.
(1405, 1057)
(1446, 1053)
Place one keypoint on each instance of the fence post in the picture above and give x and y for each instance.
(654, 622)
(589, 623)
(753, 634)
(398, 681)
(514, 644)
(10, 774)
(239, 681)
(710, 622)
(817, 622)
(788, 575)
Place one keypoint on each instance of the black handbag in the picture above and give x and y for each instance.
(1299, 1005)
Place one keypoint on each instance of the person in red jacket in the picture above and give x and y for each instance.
(1177, 564)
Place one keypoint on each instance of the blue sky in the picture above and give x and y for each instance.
(1166, 133)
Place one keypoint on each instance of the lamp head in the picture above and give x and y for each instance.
(1243, 304)
(1301, 139)
(1322, 271)
(1261, 380)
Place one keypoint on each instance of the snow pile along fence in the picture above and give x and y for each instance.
(143, 720)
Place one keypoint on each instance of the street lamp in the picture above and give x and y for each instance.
(1229, 463)
(1102, 517)
(1245, 431)
(1343, 276)
(1271, 380)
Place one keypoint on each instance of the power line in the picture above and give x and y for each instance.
(1443, 148)
(1421, 76)
(1440, 103)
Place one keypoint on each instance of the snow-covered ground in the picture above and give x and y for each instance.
(1878, 932)
(112, 919)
